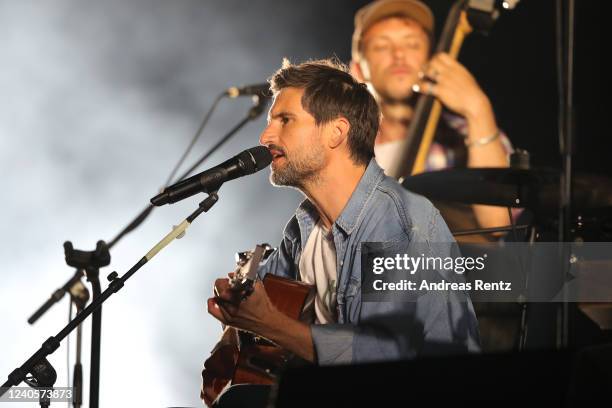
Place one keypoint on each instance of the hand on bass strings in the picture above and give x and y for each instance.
(455, 87)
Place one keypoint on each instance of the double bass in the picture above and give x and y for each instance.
(465, 17)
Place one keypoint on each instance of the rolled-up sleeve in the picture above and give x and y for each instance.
(436, 324)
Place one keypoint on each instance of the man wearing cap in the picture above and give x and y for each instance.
(391, 52)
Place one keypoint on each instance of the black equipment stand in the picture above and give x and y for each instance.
(38, 365)
(79, 295)
(43, 377)
(55, 297)
(565, 61)
(91, 261)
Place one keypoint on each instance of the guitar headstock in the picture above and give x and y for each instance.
(247, 263)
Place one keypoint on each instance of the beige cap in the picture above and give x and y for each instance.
(380, 9)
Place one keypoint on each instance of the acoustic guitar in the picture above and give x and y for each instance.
(242, 357)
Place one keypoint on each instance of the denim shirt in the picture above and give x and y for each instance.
(379, 210)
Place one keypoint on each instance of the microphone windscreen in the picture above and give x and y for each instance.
(261, 157)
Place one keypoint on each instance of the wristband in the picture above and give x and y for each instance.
(483, 140)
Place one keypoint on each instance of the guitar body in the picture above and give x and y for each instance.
(249, 359)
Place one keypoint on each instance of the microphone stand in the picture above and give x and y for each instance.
(79, 295)
(55, 297)
(43, 377)
(92, 261)
(38, 359)
(565, 32)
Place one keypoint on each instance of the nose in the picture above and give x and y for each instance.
(267, 136)
(398, 52)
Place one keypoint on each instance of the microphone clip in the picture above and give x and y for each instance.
(259, 105)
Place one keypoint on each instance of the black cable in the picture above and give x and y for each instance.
(259, 104)
(194, 139)
(512, 224)
(565, 67)
(145, 213)
(560, 71)
(522, 301)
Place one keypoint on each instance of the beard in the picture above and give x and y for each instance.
(300, 168)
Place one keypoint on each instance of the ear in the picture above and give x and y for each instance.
(360, 70)
(338, 132)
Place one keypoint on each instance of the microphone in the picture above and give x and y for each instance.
(248, 90)
(247, 162)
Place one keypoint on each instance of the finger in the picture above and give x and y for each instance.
(228, 311)
(423, 73)
(222, 311)
(222, 283)
(425, 87)
(435, 70)
(228, 306)
(223, 290)
(215, 311)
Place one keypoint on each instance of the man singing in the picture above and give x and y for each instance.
(321, 131)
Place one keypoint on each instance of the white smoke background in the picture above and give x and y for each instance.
(99, 100)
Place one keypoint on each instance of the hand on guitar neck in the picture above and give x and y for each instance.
(271, 311)
(257, 314)
(449, 81)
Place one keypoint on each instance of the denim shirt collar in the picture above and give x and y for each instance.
(307, 215)
(351, 214)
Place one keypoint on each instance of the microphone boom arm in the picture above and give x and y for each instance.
(116, 283)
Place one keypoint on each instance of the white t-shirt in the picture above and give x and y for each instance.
(387, 156)
(318, 267)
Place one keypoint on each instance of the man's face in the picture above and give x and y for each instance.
(395, 49)
(295, 141)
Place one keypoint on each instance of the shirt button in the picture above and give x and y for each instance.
(341, 263)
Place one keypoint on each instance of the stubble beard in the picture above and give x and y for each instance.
(299, 169)
(407, 97)
(392, 93)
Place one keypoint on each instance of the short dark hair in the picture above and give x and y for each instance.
(330, 91)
